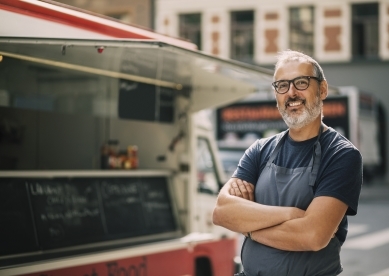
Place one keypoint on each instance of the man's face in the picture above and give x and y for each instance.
(299, 107)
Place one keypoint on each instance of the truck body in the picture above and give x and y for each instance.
(108, 162)
(348, 110)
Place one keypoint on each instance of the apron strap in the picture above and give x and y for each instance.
(278, 147)
(316, 158)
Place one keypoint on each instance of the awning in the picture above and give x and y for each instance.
(208, 81)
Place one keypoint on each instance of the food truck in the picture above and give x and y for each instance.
(108, 162)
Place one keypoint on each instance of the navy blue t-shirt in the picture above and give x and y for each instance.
(340, 172)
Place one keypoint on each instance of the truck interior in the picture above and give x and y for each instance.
(61, 100)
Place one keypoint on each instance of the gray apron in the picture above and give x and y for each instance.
(279, 186)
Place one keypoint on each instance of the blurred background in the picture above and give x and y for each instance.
(350, 39)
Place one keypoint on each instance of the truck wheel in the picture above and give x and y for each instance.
(203, 267)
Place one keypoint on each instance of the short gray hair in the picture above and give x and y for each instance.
(289, 55)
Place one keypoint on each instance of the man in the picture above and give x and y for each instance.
(291, 192)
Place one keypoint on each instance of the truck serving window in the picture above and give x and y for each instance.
(35, 86)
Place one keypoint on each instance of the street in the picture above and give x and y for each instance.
(366, 250)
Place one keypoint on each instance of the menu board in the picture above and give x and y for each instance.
(157, 209)
(50, 213)
(66, 211)
(136, 206)
(146, 102)
(17, 231)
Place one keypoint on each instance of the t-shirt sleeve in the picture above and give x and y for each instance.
(342, 179)
(248, 166)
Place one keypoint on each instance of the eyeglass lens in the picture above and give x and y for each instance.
(299, 83)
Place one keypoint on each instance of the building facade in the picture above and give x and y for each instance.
(350, 38)
(255, 30)
(137, 12)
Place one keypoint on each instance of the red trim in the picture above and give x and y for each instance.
(67, 19)
(176, 262)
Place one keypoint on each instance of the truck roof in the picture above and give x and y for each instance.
(31, 18)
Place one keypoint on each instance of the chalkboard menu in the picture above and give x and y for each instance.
(146, 102)
(166, 104)
(17, 231)
(50, 213)
(136, 206)
(66, 211)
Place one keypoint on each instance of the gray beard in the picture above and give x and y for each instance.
(309, 114)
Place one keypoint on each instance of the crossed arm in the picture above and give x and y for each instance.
(285, 228)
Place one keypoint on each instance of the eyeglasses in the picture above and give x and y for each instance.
(300, 83)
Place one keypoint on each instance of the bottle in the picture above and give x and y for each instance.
(104, 156)
(113, 154)
(132, 153)
(122, 160)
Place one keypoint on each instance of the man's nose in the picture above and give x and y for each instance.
(292, 90)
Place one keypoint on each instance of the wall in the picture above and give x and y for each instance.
(138, 12)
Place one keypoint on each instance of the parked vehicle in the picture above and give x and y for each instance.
(353, 113)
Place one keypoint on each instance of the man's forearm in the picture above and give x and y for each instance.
(242, 215)
(245, 216)
(290, 236)
(309, 233)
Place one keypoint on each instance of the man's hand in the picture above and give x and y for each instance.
(245, 190)
(236, 209)
(312, 232)
(242, 188)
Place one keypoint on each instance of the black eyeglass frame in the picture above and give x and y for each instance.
(274, 84)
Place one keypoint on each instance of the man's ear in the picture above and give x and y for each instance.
(323, 89)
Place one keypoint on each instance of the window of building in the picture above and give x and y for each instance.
(301, 28)
(242, 36)
(190, 28)
(365, 31)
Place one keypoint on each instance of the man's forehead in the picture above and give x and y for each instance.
(294, 66)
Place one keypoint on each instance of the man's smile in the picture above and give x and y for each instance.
(294, 103)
